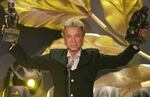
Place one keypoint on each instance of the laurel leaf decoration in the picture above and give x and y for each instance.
(50, 13)
(118, 13)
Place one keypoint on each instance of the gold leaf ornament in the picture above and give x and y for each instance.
(82, 3)
(125, 79)
(50, 13)
(118, 13)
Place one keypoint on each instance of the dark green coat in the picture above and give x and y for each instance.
(83, 77)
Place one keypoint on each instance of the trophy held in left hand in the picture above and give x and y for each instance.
(9, 29)
(138, 27)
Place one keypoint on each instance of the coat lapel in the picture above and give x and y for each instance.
(60, 55)
(84, 59)
(63, 58)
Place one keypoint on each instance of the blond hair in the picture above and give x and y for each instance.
(72, 22)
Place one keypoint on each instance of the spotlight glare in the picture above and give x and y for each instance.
(31, 83)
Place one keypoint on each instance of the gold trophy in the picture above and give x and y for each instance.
(9, 29)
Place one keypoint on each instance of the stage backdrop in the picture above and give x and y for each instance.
(35, 40)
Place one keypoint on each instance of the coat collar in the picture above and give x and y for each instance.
(84, 58)
(62, 58)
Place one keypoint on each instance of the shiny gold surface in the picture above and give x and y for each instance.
(50, 13)
(128, 80)
(118, 13)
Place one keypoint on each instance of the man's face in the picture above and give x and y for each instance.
(73, 37)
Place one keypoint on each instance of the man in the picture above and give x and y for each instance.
(77, 64)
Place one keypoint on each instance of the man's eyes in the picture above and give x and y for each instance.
(69, 36)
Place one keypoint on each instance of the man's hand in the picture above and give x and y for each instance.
(143, 33)
(137, 38)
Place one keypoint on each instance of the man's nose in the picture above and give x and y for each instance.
(73, 39)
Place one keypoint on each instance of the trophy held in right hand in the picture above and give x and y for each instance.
(9, 30)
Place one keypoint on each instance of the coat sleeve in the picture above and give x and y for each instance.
(37, 62)
(114, 61)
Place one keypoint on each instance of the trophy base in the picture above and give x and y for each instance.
(11, 35)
